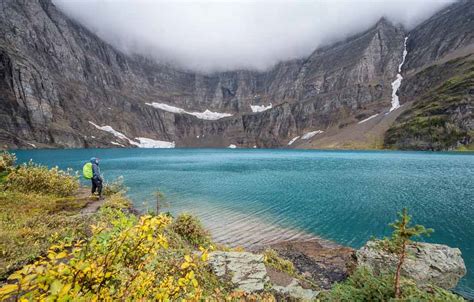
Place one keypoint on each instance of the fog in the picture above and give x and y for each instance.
(219, 35)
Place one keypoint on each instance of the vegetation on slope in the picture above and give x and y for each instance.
(363, 285)
(442, 119)
(37, 207)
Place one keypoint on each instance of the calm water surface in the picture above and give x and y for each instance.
(259, 196)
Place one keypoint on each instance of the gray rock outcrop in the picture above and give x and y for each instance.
(248, 273)
(245, 270)
(427, 263)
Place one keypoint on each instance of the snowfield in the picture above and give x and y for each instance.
(110, 130)
(293, 140)
(151, 143)
(369, 118)
(117, 144)
(260, 108)
(140, 142)
(311, 134)
(206, 115)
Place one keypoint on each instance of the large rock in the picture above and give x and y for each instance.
(323, 261)
(427, 263)
(248, 273)
(245, 270)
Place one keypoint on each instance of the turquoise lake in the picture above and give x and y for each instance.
(258, 196)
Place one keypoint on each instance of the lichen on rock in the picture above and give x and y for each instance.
(427, 263)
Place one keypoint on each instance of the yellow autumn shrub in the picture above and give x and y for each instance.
(34, 178)
(7, 161)
(127, 258)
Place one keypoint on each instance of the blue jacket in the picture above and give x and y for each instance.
(95, 168)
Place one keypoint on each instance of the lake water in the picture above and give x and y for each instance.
(260, 196)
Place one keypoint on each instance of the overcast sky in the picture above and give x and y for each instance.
(216, 35)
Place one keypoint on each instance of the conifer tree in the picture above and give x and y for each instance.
(402, 235)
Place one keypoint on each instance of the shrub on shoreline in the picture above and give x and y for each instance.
(191, 229)
(363, 285)
(271, 258)
(7, 161)
(125, 259)
(115, 186)
(34, 178)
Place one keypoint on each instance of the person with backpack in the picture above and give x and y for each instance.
(91, 171)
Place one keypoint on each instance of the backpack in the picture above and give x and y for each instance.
(87, 171)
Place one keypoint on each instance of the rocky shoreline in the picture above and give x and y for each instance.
(326, 263)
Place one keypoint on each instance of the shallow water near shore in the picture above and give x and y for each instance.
(250, 197)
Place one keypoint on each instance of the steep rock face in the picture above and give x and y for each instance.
(56, 76)
(449, 32)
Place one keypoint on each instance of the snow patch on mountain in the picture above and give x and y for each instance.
(110, 130)
(117, 144)
(260, 108)
(396, 84)
(152, 143)
(206, 115)
(293, 140)
(369, 118)
(311, 134)
(140, 142)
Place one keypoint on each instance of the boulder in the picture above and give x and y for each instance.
(245, 270)
(427, 263)
(248, 273)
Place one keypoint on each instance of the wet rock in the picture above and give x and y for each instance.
(323, 262)
(427, 263)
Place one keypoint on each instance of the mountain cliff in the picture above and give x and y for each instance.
(62, 86)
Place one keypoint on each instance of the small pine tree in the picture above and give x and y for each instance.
(402, 235)
(160, 200)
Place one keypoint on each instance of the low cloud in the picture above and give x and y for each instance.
(218, 35)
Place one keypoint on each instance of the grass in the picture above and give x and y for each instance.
(272, 259)
(30, 222)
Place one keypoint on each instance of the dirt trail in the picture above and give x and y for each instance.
(94, 203)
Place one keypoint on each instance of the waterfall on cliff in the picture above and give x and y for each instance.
(396, 84)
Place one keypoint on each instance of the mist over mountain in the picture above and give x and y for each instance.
(398, 82)
(209, 36)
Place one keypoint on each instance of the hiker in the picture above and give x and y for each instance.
(91, 171)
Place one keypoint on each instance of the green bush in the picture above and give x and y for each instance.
(271, 258)
(363, 285)
(114, 187)
(191, 229)
(34, 178)
(7, 161)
